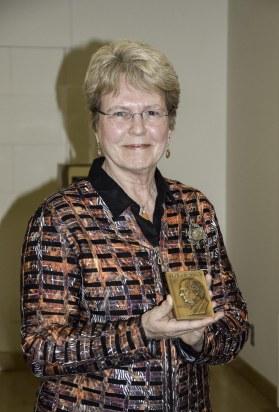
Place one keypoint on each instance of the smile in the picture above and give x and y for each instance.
(137, 146)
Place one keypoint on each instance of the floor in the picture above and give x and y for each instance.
(230, 392)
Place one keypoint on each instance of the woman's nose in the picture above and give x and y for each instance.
(137, 123)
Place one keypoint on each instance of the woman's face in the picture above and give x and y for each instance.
(133, 145)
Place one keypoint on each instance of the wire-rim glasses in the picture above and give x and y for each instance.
(125, 116)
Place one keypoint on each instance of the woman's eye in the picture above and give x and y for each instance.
(121, 114)
(153, 113)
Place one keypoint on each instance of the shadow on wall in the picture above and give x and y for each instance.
(71, 103)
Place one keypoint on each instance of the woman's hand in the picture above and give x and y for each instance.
(159, 323)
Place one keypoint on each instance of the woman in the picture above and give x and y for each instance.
(97, 317)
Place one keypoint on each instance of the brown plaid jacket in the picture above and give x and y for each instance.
(86, 280)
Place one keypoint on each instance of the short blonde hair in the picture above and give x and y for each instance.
(143, 66)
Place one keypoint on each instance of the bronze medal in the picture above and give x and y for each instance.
(190, 294)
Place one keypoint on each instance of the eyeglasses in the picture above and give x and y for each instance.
(125, 116)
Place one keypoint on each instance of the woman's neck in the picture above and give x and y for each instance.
(141, 187)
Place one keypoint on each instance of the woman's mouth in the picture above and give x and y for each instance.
(137, 146)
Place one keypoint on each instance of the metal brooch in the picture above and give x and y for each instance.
(196, 234)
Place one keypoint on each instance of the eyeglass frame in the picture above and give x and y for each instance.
(131, 114)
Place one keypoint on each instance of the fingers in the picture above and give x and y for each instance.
(218, 316)
(165, 307)
(190, 325)
(180, 326)
(169, 299)
(162, 311)
(208, 279)
(159, 322)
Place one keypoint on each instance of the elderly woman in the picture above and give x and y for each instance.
(97, 322)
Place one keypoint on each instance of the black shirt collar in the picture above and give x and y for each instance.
(114, 196)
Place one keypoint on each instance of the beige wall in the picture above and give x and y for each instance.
(44, 50)
(253, 169)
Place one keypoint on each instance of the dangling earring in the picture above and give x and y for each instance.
(99, 151)
(168, 153)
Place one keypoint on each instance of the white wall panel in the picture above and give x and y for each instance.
(6, 169)
(7, 199)
(34, 71)
(35, 23)
(29, 119)
(35, 165)
(5, 70)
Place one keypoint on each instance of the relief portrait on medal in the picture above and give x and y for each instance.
(193, 294)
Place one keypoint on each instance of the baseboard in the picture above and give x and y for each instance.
(256, 379)
(10, 361)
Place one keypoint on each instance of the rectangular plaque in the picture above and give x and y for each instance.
(190, 294)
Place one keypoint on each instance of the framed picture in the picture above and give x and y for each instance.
(75, 172)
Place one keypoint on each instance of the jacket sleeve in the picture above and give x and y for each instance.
(225, 338)
(57, 335)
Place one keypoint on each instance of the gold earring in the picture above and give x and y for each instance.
(99, 150)
(167, 152)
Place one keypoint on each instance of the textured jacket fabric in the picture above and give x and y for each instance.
(86, 280)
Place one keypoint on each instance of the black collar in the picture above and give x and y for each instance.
(114, 196)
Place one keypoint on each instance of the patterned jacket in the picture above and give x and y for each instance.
(86, 280)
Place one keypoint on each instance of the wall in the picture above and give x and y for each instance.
(44, 50)
(253, 169)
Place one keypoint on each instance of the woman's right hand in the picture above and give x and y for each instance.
(159, 323)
